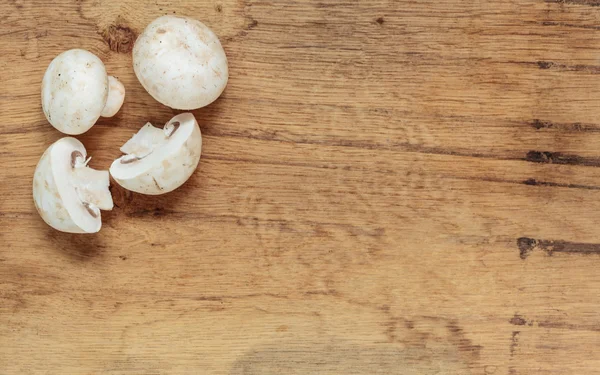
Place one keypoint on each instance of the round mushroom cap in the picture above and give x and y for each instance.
(74, 91)
(180, 62)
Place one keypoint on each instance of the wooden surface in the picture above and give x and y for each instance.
(387, 186)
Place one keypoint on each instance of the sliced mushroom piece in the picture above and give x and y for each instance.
(158, 161)
(76, 91)
(67, 193)
(180, 62)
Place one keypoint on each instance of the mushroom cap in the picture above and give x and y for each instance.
(180, 62)
(74, 91)
(157, 163)
(59, 189)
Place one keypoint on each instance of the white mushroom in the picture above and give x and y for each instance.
(180, 62)
(76, 91)
(67, 193)
(158, 161)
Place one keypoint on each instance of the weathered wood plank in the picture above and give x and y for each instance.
(386, 186)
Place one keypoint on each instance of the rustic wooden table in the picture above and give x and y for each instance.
(387, 186)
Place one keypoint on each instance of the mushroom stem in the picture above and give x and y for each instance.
(116, 96)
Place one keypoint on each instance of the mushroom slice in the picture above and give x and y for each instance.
(180, 62)
(158, 161)
(76, 91)
(67, 193)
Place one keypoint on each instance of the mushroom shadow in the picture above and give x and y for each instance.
(78, 246)
(138, 205)
(208, 116)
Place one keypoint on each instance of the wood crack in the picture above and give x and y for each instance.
(590, 3)
(550, 157)
(527, 245)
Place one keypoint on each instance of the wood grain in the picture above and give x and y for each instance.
(398, 187)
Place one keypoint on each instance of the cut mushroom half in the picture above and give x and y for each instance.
(158, 161)
(67, 193)
(76, 91)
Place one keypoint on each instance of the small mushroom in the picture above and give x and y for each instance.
(67, 193)
(76, 91)
(180, 62)
(158, 161)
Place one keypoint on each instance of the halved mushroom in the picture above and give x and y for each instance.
(67, 193)
(76, 91)
(180, 62)
(158, 161)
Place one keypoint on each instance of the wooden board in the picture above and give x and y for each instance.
(387, 186)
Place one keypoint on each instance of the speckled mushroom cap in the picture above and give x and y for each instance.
(158, 161)
(67, 193)
(180, 62)
(76, 91)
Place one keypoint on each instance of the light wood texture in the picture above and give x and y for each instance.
(387, 186)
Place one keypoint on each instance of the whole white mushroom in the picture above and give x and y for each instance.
(67, 193)
(180, 62)
(158, 161)
(76, 91)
